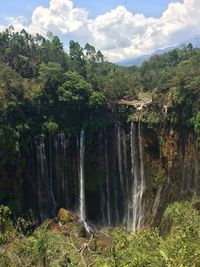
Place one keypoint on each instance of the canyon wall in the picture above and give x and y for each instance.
(129, 174)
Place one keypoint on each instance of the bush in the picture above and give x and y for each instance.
(7, 231)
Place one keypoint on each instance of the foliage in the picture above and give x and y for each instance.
(50, 127)
(97, 100)
(44, 89)
(7, 231)
(140, 249)
(153, 119)
(75, 90)
(176, 243)
(179, 246)
(196, 123)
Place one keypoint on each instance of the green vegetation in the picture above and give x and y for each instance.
(176, 243)
(44, 89)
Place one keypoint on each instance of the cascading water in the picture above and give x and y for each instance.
(43, 183)
(107, 184)
(122, 182)
(51, 175)
(119, 177)
(142, 187)
(82, 210)
(137, 173)
(116, 172)
(82, 182)
(135, 177)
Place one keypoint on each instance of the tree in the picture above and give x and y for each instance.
(75, 90)
(51, 76)
(77, 58)
(97, 100)
(90, 52)
(99, 56)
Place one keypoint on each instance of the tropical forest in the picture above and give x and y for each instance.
(99, 162)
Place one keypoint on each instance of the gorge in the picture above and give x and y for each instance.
(99, 164)
(119, 175)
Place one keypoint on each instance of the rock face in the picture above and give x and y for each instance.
(131, 174)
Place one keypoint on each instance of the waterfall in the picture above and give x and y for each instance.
(39, 172)
(51, 175)
(116, 174)
(43, 183)
(63, 168)
(125, 158)
(126, 180)
(82, 182)
(120, 176)
(135, 177)
(138, 178)
(120, 160)
(142, 187)
(107, 183)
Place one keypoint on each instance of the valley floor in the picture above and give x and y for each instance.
(64, 242)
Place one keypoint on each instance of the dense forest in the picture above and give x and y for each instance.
(46, 91)
(43, 88)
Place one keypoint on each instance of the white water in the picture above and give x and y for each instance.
(126, 179)
(40, 172)
(120, 159)
(82, 182)
(142, 187)
(137, 173)
(107, 184)
(42, 180)
(135, 177)
(51, 176)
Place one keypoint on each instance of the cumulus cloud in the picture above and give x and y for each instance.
(60, 16)
(119, 33)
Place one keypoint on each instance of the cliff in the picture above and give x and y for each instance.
(131, 173)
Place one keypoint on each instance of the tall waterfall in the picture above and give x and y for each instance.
(142, 177)
(115, 167)
(137, 173)
(107, 184)
(116, 176)
(120, 162)
(135, 179)
(44, 188)
(51, 175)
(82, 182)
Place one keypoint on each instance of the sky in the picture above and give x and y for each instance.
(119, 28)
(147, 7)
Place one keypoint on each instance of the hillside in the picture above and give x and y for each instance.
(138, 61)
(99, 163)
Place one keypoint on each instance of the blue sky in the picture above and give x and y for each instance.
(119, 28)
(24, 7)
(147, 7)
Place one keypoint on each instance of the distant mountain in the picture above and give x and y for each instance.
(138, 61)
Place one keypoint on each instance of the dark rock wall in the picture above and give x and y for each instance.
(48, 179)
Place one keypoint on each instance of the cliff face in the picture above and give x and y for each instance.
(173, 170)
(131, 173)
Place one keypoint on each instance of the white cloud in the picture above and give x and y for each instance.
(118, 33)
(61, 16)
(19, 23)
